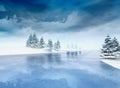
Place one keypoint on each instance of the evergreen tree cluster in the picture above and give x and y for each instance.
(110, 45)
(34, 42)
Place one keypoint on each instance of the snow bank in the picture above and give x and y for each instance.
(113, 63)
(107, 57)
(22, 50)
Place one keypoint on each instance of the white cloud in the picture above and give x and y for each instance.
(88, 39)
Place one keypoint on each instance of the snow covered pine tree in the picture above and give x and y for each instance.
(32, 41)
(107, 48)
(50, 45)
(29, 41)
(115, 45)
(111, 47)
(57, 46)
(35, 41)
(42, 43)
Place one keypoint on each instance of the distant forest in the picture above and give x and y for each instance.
(34, 42)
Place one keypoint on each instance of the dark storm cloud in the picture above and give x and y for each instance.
(99, 13)
(95, 12)
(54, 8)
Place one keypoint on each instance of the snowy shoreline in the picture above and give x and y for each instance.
(21, 49)
(111, 62)
(24, 51)
(13, 51)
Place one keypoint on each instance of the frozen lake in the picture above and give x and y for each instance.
(56, 71)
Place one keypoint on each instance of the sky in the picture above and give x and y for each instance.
(84, 23)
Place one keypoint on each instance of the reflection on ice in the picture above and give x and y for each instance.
(44, 60)
(56, 71)
(73, 54)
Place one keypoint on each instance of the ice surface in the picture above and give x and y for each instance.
(56, 71)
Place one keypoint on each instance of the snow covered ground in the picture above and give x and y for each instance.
(114, 63)
(113, 60)
(11, 49)
(20, 51)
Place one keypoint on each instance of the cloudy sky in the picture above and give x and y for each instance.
(79, 22)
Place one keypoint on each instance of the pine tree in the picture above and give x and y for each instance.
(29, 41)
(108, 46)
(42, 43)
(34, 41)
(50, 44)
(57, 45)
(115, 45)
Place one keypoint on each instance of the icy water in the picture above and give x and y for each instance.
(56, 71)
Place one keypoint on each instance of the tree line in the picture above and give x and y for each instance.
(34, 42)
(110, 46)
